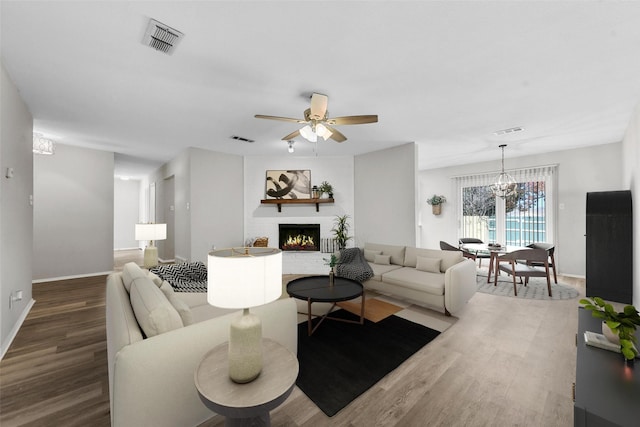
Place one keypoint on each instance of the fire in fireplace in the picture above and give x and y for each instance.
(299, 237)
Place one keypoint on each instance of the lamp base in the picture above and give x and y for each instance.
(150, 256)
(245, 348)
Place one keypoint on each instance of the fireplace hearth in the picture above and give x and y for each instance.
(299, 237)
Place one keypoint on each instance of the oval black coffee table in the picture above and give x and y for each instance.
(317, 289)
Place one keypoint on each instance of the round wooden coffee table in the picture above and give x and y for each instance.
(317, 289)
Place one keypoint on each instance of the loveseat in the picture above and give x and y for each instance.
(155, 340)
(430, 277)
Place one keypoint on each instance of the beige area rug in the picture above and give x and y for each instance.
(375, 310)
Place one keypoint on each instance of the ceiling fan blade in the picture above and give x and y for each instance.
(353, 120)
(291, 135)
(318, 106)
(336, 135)
(284, 119)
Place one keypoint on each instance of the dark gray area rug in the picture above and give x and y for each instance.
(536, 289)
(340, 361)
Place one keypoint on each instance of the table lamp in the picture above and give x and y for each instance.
(151, 232)
(244, 278)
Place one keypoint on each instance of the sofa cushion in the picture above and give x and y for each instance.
(153, 311)
(396, 252)
(181, 307)
(382, 259)
(370, 255)
(431, 265)
(130, 272)
(449, 258)
(412, 278)
(380, 269)
(155, 279)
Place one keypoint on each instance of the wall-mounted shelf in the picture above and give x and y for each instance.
(281, 202)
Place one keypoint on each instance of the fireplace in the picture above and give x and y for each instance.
(299, 237)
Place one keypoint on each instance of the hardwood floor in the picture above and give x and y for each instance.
(505, 362)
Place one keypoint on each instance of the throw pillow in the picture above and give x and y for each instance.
(181, 307)
(153, 311)
(431, 265)
(370, 255)
(382, 259)
(130, 272)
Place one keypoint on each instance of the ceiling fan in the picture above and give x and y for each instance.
(318, 124)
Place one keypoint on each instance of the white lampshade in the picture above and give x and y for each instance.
(151, 232)
(322, 131)
(308, 134)
(244, 277)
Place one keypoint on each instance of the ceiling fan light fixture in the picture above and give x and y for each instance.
(504, 185)
(42, 145)
(308, 134)
(291, 149)
(321, 130)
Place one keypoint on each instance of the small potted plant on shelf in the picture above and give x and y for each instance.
(326, 188)
(621, 324)
(436, 203)
(341, 231)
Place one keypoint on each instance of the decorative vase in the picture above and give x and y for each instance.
(314, 192)
(609, 335)
(436, 209)
(331, 277)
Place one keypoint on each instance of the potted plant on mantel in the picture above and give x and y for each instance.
(622, 325)
(436, 203)
(326, 188)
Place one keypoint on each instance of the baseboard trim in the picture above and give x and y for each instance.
(75, 276)
(16, 328)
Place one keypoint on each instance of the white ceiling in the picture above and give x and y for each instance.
(445, 75)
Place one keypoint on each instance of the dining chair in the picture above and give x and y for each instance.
(509, 263)
(479, 255)
(550, 248)
(447, 247)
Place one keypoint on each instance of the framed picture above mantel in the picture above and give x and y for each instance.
(287, 184)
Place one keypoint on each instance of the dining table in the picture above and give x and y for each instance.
(493, 250)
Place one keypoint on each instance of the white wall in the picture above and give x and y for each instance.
(72, 213)
(596, 168)
(631, 181)
(385, 196)
(126, 213)
(263, 220)
(16, 213)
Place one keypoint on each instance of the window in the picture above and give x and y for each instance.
(518, 220)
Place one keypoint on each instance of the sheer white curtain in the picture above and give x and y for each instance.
(537, 175)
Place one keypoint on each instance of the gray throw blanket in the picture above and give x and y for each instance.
(352, 265)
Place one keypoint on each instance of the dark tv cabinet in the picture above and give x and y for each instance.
(607, 393)
(609, 258)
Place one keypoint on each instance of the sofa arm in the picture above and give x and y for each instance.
(459, 285)
(154, 378)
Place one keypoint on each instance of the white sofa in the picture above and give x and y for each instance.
(151, 367)
(434, 278)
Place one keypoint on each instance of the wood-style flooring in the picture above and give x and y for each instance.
(505, 362)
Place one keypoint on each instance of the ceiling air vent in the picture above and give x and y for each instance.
(161, 37)
(508, 131)
(240, 138)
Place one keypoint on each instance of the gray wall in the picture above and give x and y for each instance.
(596, 168)
(72, 213)
(16, 213)
(631, 181)
(126, 212)
(217, 201)
(208, 201)
(385, 191)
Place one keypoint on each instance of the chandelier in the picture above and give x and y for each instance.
(504, 185)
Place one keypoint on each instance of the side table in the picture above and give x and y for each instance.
(246, 404)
